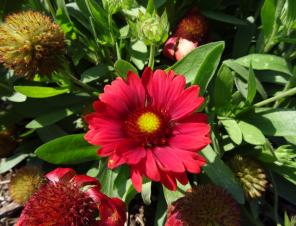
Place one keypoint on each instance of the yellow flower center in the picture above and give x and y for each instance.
(148, 122)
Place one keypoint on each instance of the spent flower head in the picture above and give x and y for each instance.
(203, 206)
(25, 183)
(31, 43)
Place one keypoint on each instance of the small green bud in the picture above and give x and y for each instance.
(152, 29)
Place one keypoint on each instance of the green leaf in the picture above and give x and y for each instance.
(161, 210)
(22, 152)
(221, 175)
(271, 13)
(100, 17)
(243, 72)
(214, 15)
(171, 196)
(232, 128)
(146, 193)
(200, 64)
(8, 163)
(251, 86)
(94, 73)
(273, 122)
(285, 188)
(139, 54)
(285, 167)
(122, 67)
(70, 149)
(40, 92)
(223, 87)
(251, 133)
(268, 18)
(50, 118)
(265, 62)
(116, 183)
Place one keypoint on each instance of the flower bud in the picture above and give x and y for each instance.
(250, 174)
(152, 29)
(31, 43)
(25, 183)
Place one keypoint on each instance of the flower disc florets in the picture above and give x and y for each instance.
(31, 43)
(60, 204)
(149, 123)
(68, 199)
(205, 205)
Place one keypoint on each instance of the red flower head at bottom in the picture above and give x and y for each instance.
(71, 200)
(205, 205)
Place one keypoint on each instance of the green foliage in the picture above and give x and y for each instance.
(70, 149)
(245, 70)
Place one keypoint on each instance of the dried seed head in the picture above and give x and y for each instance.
(25, 183)
(31, 43)
(193, 27)
(205, 205)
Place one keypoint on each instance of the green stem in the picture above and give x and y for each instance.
(110, 27)
(151, 57)
(276, 200)
(287, 93)
(91, 91)
(118, 55)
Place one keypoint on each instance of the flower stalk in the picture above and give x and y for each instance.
(151, 56)
(290, 92)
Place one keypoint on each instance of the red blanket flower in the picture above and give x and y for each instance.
(150, 125)
(70, 199)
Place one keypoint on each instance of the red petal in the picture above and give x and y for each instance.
(83, 180)
(146, 76)
(60, 175)
(170, 47)
(136, 177)
(184, 47)
(186, 103)
(151, 169)
(168, 180)
(168, 160)
(123, 96)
